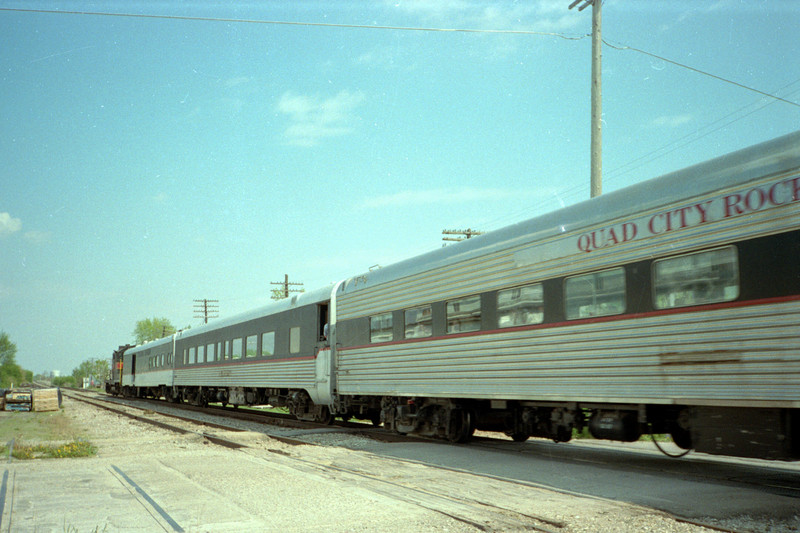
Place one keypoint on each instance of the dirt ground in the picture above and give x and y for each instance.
(273, 486)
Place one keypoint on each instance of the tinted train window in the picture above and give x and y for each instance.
(252, 346)
(236, 349)
(520, 306)
(380, 328)
(419, 322)
(696, 279)
(596, 294)
(211, 354)
(201, 354)
(192, 356)
(267, 344)
(294, 340)
(464, 315)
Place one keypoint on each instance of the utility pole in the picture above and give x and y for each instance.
(277, 294)
(596, 179)
(206, 308)
(465, 234)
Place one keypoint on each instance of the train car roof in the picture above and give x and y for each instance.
(297, 300)
(725, 171)
(151, 344)
(294, 301)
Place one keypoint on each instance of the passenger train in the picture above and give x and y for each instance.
(671, 306)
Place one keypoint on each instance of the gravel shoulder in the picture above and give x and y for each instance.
(336, 484)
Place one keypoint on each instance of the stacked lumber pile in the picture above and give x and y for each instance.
(46, 400)
(19, 400)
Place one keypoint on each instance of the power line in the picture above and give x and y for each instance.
(296, 23)
(697, 70)
(206, 309)
(398, 28)
(464, 234)
(278, 294)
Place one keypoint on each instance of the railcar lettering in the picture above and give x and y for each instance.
(607, 237)
(670, 327)
(739, 203)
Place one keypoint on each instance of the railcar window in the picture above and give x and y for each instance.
(380, 328)
(419, 322)
(596, 294)
(252, 346)
(192, 356)
(464, 315)
(696, 279)
(520, 306)
(236, 349)
(294, 340)
(226, 349)
(201, 354)
(185, 356)
(211, 354)
(268, 344)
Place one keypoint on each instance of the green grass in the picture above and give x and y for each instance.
(77, 448)
(40, 435)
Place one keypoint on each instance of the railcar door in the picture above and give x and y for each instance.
(322, 367)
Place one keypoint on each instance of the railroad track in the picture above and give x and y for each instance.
(426, 492)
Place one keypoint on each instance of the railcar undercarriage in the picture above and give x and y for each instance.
(762, 433)
(741, 432)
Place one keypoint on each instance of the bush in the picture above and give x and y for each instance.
(63, 381)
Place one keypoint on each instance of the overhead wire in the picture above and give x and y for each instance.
(564, 194)
(398, 28)
(697, 70)
(301, 23)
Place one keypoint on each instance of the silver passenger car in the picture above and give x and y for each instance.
(670, 306)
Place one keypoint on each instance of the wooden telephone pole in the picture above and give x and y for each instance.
(278, 294)
(596, 178)
(465, 234)
(206, 309)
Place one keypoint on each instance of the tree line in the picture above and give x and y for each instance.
(93, 369)
(10, 372)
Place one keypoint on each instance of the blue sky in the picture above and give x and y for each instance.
(146, 162)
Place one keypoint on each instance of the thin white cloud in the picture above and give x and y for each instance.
(38, 237)
(313, 118)
(9, 224)
(436, 196)
(671, 121)
(233, 82)
(535, 15)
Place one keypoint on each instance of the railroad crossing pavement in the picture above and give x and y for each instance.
(183, 490)
(136, 494)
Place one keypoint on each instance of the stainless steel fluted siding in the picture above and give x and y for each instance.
(497, 268)
(744, 355)
(154, 378)
(278, 374)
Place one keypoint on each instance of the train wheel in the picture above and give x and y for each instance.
(461, 425)
(324, 415)
(519, 437)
